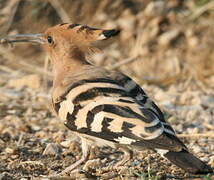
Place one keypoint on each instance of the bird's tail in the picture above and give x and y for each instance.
(188, 162)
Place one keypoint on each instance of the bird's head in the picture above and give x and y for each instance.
(65, 39)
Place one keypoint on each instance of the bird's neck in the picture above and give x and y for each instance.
(66, 65)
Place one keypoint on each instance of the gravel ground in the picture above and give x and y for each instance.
(34, 143)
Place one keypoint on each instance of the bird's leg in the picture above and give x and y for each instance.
(128, 154)
(84, 157)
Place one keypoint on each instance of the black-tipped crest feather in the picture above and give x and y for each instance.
(110, 33)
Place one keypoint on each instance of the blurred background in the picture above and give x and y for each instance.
(166, 41)
(166, 46)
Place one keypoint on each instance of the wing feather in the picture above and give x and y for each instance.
(118, 110)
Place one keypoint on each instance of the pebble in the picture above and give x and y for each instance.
(168, 37)
(192, 115)
(92, 164)
(207, 101)
(196, 148)
(5, 176)
(211, 162)
(205, 159)
(52, 149)
(66, 143)
(155, 8)
(9, 150)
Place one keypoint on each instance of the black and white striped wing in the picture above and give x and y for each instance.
(106, 109)
(138, 93)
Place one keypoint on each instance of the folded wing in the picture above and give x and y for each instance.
(116, 109)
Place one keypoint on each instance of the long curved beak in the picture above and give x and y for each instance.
(34, 38)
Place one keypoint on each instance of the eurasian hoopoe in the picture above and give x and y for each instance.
(105, 107)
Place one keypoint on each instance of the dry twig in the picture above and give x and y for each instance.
(201, 10)
(197, 135)
(9, 12)
(6, 69)
(16, 60)
(121, 63)
(209, 126)
(60, 10)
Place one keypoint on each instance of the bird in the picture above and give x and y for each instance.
(105, 107)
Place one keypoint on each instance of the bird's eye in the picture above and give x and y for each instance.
(50, 39)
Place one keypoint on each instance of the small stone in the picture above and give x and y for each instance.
(197, 149)
(168, 37)
(14, 156)
(52, 149)
(211, 162)
(77, 174)
(207, 101)
(205, 159)
(162, 96)
(9, 150)
(5, 176)
(192, 42)
(66, 143)
(155, 8)
(92, 164)
(192, 115)
(35, 127)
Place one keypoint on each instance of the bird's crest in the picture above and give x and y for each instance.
(81, 36)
